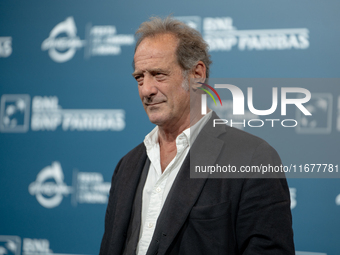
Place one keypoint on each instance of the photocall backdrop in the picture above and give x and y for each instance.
(70, 109)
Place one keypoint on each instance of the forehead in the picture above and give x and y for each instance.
(156, 49)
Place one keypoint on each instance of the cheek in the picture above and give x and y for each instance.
(183, 97)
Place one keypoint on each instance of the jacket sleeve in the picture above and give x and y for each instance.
(264, 221)
(111, 207)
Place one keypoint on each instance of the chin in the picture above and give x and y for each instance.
(156, 119)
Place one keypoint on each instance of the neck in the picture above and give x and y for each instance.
(168, 134)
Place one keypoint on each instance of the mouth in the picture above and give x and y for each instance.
(152, 104)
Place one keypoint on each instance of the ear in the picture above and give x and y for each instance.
(199, 71)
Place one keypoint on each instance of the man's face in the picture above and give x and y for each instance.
(160, 79)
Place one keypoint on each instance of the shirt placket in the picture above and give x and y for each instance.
(156, 197)
(155, 207)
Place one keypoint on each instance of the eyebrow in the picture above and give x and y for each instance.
(136, 73)
(155, 70)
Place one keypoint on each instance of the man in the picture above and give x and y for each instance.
(154, 205)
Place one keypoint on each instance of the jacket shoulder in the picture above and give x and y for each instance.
(242, 138)
(232, 136)
(131, 158)
(135, 152)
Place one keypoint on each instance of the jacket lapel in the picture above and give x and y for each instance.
(185, 190)
(126, 190)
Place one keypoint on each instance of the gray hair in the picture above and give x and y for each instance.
(191, 46)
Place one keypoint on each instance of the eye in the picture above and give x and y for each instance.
(160, 76)
(139, 79)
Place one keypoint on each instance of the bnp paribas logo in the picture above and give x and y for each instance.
(14, 113)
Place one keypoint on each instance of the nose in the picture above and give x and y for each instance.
(149, 87)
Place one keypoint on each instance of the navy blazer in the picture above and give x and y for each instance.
(208, 215)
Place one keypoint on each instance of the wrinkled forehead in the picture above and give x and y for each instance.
(158, 46)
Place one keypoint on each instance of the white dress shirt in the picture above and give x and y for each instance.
(158, 184)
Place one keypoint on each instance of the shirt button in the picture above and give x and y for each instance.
(150, 225)
(158, 189)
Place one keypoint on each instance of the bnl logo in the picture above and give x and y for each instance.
(10, 245)
(14, 113)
